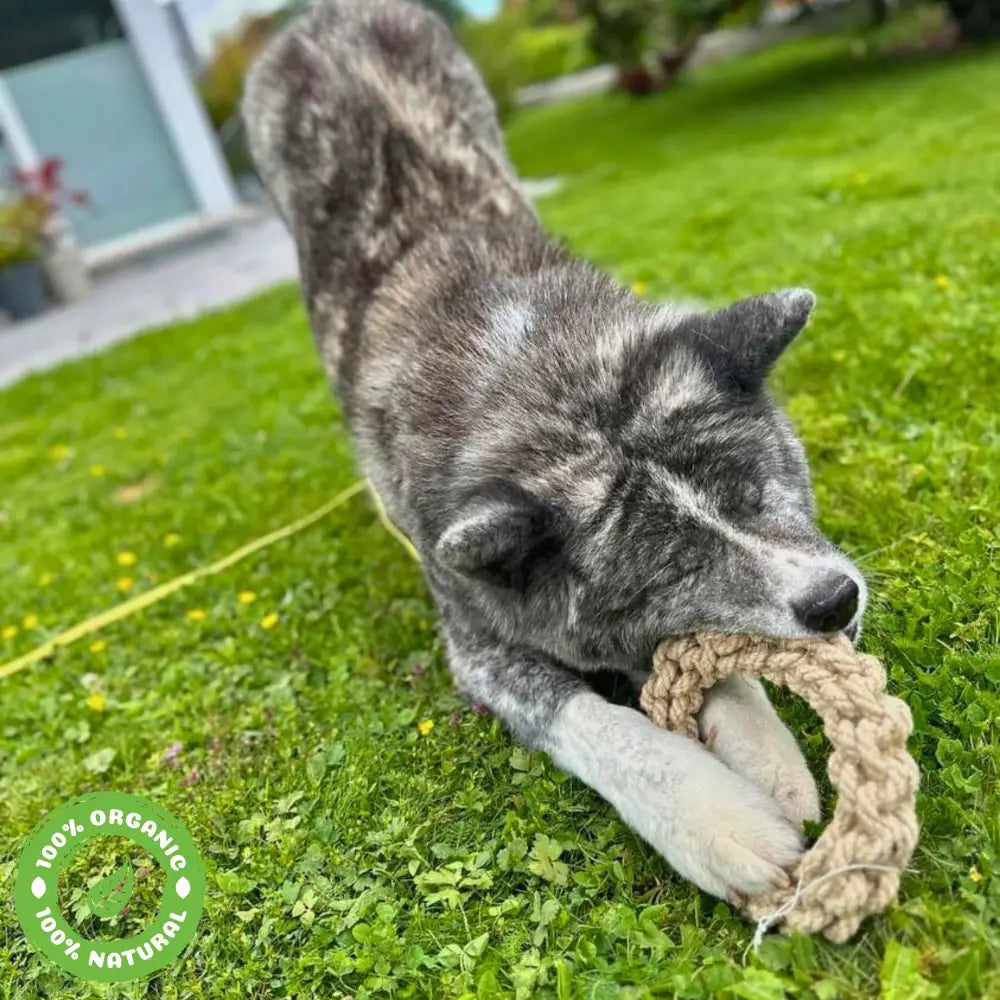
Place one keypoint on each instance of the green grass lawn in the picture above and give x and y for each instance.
(352, 852)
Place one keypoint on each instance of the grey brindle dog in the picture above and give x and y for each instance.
(582, 472)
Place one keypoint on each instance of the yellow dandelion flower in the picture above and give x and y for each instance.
(98, 646)
(97, 470)
(124, 583)
(639, 287)
(975, 874)
(59, 452)
(196, 615)
(246, 597)
(9, 631)
(170, 539)
(425, 726)
(96, 701)
(942, 281)
(125, 558)
(44, 579)
(269, 620)
(30, 622)
(121, 433)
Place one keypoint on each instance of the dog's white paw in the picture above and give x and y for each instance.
(740, 726)
(731, 838)
(715, 827)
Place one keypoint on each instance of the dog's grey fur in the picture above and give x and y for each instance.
(582, 472)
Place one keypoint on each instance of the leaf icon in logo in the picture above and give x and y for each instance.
(108, 897)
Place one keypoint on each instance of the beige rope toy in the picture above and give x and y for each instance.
(853, 869)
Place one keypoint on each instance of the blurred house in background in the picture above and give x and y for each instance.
(105, 86)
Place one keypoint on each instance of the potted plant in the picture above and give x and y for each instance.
(22, 244)
(64, 267)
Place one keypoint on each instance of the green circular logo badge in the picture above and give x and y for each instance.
(54, 842)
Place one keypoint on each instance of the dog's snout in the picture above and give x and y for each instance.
(829, 606)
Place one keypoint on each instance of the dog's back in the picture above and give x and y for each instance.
(378, 141)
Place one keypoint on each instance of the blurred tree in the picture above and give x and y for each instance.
(978, 20)
(651, 40)
(625, 32)
(542, 12)
(622, 29)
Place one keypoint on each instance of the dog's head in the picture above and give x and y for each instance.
(639, 482)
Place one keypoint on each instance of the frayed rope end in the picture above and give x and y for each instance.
(765, 923)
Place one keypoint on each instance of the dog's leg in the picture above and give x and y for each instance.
(715, 827)
(739, 724)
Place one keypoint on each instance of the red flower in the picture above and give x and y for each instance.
(49, 171)
(45, 182)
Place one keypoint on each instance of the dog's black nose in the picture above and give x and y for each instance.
(830, 606)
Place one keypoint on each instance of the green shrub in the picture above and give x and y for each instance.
(625, 31)
(493, 47)
(22, 230)
(511, 54)
(554, 51)
(621, 29)
(221, 84)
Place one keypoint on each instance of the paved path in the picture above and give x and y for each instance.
(174, 285)
(595, 80)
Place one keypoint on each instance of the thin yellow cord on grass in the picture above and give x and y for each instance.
(389, 526)
(144, 600)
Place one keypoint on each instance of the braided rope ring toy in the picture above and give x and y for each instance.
(853, 869)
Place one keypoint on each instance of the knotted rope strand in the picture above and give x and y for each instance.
(873, 832)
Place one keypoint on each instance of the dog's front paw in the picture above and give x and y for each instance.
(740, 726)
(731, 839)
(715, 827)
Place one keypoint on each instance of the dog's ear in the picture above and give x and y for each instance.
(503, 536)
(743, 341)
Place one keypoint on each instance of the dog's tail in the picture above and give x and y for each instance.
(369, 125)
